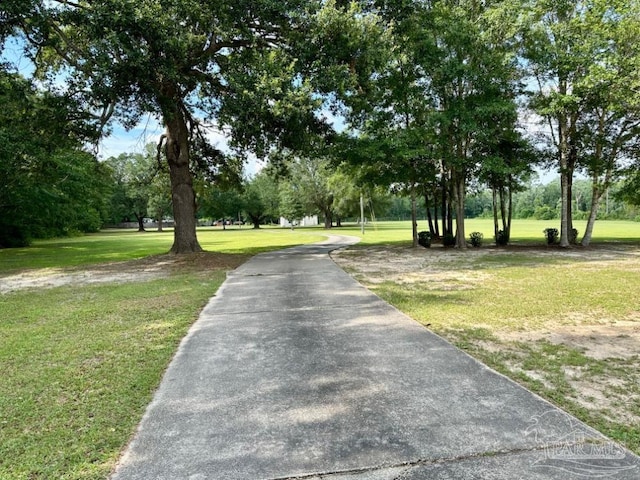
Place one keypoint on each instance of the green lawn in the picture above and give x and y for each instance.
(559, 321)
(80, 363)
(120, 245)
(523, 231)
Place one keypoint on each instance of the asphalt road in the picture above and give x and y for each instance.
(294, 370)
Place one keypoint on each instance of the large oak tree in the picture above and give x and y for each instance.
(175, 60)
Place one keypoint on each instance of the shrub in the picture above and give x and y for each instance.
(476, 239)
(424, 239)
(552, 235)
(449, 240)
(545, 213)
(502, 238)
(13, 237)
(573, 236)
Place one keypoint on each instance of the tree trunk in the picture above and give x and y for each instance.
(444, 205)
(503, 208)
(509, 213)
(459, 185)
(449, 217)
(160, 223)
(436, 228)
(565, 207)
(140, 220)
(496, 227)
(595, 204)
(255, 220)
(328, 220)
(182, 194)
(427, 206)
(414, 218)
(598, 188)
(566, 135)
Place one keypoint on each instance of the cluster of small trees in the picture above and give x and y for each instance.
(430, 96)
(543, 202)
(140, 189)
(50, 186)
(448, 99)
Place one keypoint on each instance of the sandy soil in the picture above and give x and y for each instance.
(150, 268)
(614, 341)
(448, 269)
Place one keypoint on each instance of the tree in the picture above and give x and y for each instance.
(260, 198)
(224, 204)
(133, 175)
(609, 129)
(174, 61)
(506, 164)
(50, 185)
(310, 178)
(473, 78)
(290, 206)
(159, 204)
(580, 55)
(445, 87)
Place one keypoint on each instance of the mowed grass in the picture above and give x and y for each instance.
(552, 319)
(79, 366)
(80, 363)
(523, 232)
(122, 245)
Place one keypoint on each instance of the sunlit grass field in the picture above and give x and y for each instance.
(80, 363)
(121, 245)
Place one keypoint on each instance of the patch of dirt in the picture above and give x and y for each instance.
(615, 339)
(146, 269)
(614, 393)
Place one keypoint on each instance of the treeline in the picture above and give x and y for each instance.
(537, 201)
(50, 184)
(433, 100)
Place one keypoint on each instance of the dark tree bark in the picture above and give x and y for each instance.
(182, 193)
(255, 219)
(414, 218)
(140, 220)
(459, 185)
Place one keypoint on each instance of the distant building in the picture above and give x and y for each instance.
(308, 221)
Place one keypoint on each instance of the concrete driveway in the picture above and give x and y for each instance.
(294, 370)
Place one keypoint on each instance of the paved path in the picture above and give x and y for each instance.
(294, 370)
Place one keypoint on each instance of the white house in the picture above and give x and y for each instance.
(308, 221)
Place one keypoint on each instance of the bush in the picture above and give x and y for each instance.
(552, 235)
(449, 240)
(13, 237)
(424, 239)
(502, 238)
(545, 213)
(573, 236)
(476, 239)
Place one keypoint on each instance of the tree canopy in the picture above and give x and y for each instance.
(50, 184)
(428, 97)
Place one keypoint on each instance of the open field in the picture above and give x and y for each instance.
(121, 245)
(523, 231)
(564, 323)
(84, 343)
(88, 325)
